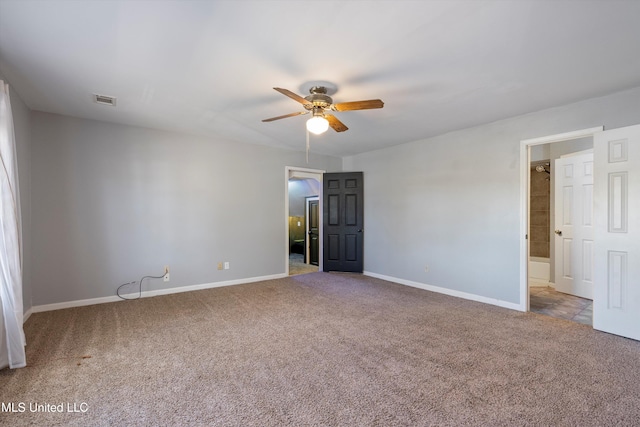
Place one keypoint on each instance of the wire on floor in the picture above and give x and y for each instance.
(139, 286)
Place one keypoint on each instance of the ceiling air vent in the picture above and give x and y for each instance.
(105, 100)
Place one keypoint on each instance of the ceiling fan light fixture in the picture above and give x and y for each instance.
(317, 125)
(321, 104)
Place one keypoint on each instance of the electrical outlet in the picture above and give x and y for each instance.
(226, 265)
(219, 266)
(166, 276)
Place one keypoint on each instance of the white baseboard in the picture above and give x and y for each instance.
(533, 283)
(451, 292)
(146, 294)
(26, 315)
(537, 283)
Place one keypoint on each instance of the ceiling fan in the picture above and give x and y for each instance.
(318, 103)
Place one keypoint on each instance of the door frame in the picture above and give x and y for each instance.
(525, 160)
(307, 228)
(298, 172)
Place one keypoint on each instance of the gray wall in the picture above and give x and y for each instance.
(453, 201)
(112, 203)
(22, 128)
(299, 190)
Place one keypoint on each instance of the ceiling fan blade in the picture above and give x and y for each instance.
(293, 96)
(335, 124)
(358, 105)
(299, 113)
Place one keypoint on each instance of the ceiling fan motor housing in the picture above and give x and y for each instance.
(318, 98)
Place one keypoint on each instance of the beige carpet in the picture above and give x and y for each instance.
(298, 266)
(322, 349)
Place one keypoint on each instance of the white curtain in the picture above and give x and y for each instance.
(12, 348)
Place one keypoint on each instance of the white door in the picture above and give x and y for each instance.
(574, 225)
(616, 304)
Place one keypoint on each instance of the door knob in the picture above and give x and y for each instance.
(558, 232)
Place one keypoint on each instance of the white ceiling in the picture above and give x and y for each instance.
(208, 67)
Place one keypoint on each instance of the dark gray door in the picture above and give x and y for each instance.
(314, 229)
(343, 221)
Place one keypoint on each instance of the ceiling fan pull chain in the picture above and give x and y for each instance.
(307, 145)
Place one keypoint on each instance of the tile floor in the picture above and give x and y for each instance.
(546, 300)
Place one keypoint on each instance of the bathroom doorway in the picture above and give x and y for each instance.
(544, 298)
(303, 186)
(544, 261)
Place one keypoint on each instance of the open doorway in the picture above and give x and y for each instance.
(554, 289)
(304, 224)
(543, 246)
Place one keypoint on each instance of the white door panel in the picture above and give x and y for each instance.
(574, 225)
(616, 305)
